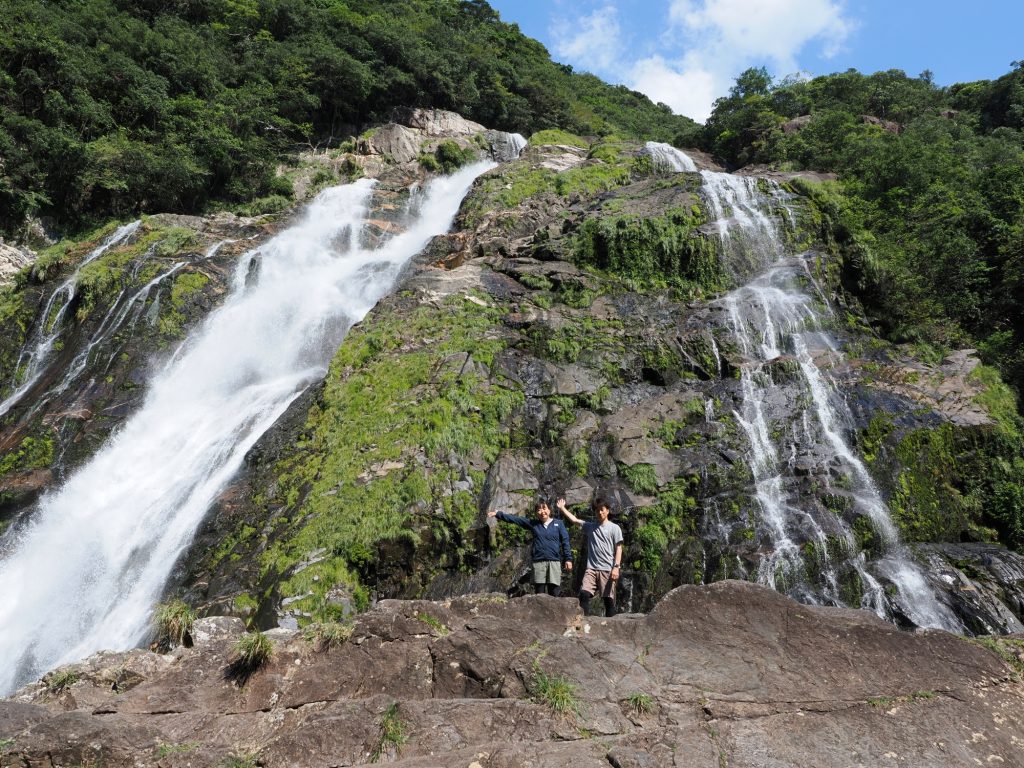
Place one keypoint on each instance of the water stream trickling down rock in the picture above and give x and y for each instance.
(780, 319)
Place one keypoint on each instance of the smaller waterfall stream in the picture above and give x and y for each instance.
(124, 313)
(667, 156)
(37, 351)
(110, 324)
(778, 319)
(506, 146)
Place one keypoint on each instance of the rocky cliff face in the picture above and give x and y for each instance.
(81, 341)
(563, 339)
(732, 674)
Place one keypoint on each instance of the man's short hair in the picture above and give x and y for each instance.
(599, 502)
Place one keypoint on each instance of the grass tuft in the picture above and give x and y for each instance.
(174, 622)
(556, 692)
(392, 734)
(254, 650)
(239, 760)
(329, 634)
(640, 703)
(434, 623)
(166, 750)
(60, 680)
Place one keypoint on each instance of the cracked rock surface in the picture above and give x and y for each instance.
(730, 674)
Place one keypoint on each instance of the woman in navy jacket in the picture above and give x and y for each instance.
(550, 547)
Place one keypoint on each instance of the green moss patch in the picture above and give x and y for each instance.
(16, 314)
(557, 137)
(31, 453)
(186, 286)
(999, 401)
(952, 483)
(100, 281)
(671, 521)
(609, 166)
(374, 464)
(653, 252)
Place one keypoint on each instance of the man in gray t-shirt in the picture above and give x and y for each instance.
(604, 555)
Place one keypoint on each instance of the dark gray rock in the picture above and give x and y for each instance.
(737, 675)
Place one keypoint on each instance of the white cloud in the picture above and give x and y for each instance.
(593, 42)
(704, 45)
(709, 42)
(776, 30)
(688, 91)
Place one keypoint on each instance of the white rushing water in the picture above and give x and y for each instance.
(777, 317)
(86, 572)
(667, 156)
(506, 146)
(39, 348)
(762, 317)
(748, 232)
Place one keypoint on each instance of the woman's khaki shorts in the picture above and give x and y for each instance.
(598, 583)
(547, 572)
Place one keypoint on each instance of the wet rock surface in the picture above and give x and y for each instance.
(131, 309)
(629, 389)
(731, 674)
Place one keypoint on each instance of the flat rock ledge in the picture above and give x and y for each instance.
(730, 674)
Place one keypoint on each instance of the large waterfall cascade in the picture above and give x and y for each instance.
(84, 574)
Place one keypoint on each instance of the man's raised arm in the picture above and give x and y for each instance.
(566, 513)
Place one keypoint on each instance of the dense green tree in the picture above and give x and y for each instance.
(113, 107)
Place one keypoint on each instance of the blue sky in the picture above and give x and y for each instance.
(686, 53)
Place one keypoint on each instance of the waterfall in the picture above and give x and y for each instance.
(748, 233)
(667, 156)
(778, 324)
(86, 572)
(36, 353)
(505, 146)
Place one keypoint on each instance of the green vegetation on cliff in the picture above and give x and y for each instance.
(948, 483)
(402, 398)
(109, 108)
(653, 251)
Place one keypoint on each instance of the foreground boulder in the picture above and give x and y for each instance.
(731, 674)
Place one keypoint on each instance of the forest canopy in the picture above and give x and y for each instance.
(115, 107)
(112, 108)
